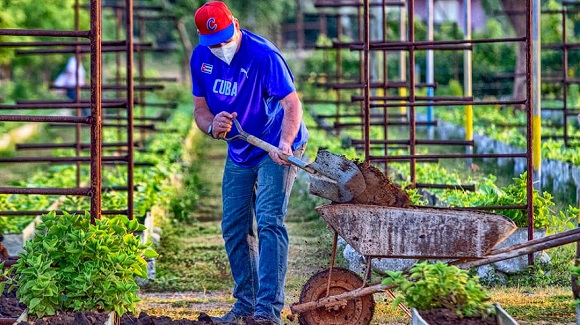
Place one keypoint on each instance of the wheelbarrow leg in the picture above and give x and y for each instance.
(390, 293)
(332, 260)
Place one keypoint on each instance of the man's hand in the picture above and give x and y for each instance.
(284, 149)
(222, 123)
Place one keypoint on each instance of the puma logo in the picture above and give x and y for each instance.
(244, 71)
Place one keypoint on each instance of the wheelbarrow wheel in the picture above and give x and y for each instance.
(353, 311)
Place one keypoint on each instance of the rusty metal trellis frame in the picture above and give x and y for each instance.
(94, 34)
(126, 149)
(384, 118)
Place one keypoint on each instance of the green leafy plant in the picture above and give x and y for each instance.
(489, 194)
(434, 286)
(2, 278)
(73, 265)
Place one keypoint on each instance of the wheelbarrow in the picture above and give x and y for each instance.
(339, 296)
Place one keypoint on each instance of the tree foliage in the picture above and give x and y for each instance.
(31, 70)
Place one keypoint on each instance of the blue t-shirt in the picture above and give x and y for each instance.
(252, 85)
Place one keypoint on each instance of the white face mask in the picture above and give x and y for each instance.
(226, 52)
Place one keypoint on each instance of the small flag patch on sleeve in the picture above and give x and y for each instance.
(206, 68)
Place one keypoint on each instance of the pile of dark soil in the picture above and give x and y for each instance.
(380, 189)
(10, 307)
(94, 318)
(450, 317)
(144, 319)
(85, 318)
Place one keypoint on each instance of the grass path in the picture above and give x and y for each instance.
(193, 273)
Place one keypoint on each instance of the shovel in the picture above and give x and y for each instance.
(332, 176)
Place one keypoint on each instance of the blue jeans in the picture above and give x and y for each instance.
(259, 264)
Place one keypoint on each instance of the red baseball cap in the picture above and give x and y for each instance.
(215, 23)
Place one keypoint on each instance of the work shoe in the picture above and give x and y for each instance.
(259, 321)
(230, 318)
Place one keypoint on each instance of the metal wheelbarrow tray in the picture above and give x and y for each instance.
(378, 231)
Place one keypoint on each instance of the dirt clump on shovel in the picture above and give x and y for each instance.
(380, 190)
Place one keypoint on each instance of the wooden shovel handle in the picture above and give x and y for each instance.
(268, 147)
(265, 146)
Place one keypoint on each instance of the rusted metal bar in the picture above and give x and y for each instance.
(162, 105)
(120, 87)
(366, 80)
(114, 188)
(419, 142)
(355, 3)
(418, 98)
(51, 106)
(373, 123)
(529, 127)
(568, 112)
(57, 159)
(107, 49)
(117, 125)
(372, 116)
(58, 102)
(561, 47)
(148, 119)
(441, 156)
(488, 208)
(562, 80)
(359, 85)
(414, 44)
(57, 43)
(137, 164)
(45, 191)
(155, 17)
(72, 145)
(419, 47)
(135, 8)
(41, 32)
(465, 187)
(349, 295)
(536, 241)
(136, 87)
(527, 248)
(412, 99)
(130, 107)
(58, 212)
(33, 118)
(160, 79)
(451, 103)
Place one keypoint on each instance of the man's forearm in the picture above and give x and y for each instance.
(201, 113)
(203, 118)
(292, 118)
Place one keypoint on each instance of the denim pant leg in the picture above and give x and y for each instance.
(272, 195)
(237, 228)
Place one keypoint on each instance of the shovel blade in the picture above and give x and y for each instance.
(341, 178)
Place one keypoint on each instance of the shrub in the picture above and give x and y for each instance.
(433, 286)
(73, 265)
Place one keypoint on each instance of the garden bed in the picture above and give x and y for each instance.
(10, 307)
(96, 318)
